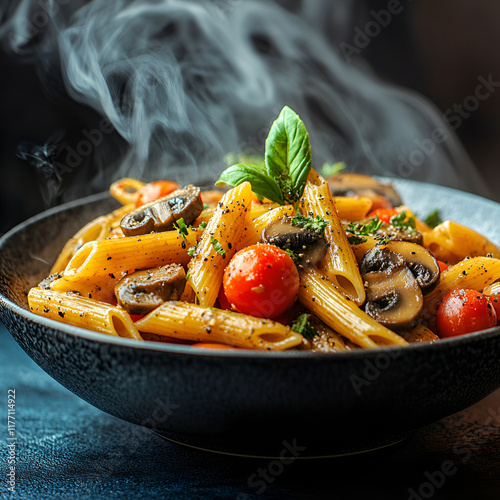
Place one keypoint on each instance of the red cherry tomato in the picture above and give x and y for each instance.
(261, 280)
(384, 214)
(155, 190)
(464, 311)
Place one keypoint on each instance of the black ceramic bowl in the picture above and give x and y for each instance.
(247, 402)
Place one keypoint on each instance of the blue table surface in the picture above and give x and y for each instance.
(68, 449)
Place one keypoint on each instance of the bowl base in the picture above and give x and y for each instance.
(287, 448)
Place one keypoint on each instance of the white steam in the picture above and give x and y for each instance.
(185, 82)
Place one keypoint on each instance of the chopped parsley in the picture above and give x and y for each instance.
(192, 250)
(203, 225)
(218, 247)
(302, 326)
(292, 254)
(359, 231)
(330, 169)
(400, 220)
(181, 227)
(433, 219)
(317, 223)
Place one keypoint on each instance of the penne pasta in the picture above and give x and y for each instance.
(97, 229)
(80, 311)
(113, 257)
(207, 324)
(126, 190)
(324, 300)
(351, 208)
(257, 225)
(218, 243)
(339, 264)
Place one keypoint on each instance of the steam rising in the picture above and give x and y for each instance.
(186, 82)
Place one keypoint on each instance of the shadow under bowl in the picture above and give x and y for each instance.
(251, 403)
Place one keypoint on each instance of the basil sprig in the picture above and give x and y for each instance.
(287, 162)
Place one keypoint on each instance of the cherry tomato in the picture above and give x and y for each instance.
(379, 201)
(155, 190)
(464, 311)
(384, 214)
(261, 280)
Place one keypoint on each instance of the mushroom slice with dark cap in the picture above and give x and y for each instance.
(419, 260)
(160, 215)
(346, 184)
(309, 246)
(393, 298)
(143, 291)
(380, 259)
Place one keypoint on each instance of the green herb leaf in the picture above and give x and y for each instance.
(302, 326)
(218, 247)
(330, 169)
(263, 185)
(433, 219)
(317, 223)
(191, 251)
(181, 227)
(365, 229)
(292, 254)
(288, 154)
(356, 240)
(203, 225)
(400, 221)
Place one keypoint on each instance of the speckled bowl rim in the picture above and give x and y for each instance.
(199, 351)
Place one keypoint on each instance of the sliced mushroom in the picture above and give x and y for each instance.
(160, 215)
(309, 246)
(362, 185)
(400, 234)
(419, 260)
(379, 258)
(143, 291)
(393, 298)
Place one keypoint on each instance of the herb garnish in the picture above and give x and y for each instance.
(192, 250)
(400, 221)
(217, 246)
(433, 219)
(302, 326)
(292, 254)
(330, 169)
(359, 231)
(287, 162)
(317, 223)
(203, 225)
(181, 227)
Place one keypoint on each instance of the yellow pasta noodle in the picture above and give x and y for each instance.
(80, 311)
(95, 230)
(452, 242)
(339, 264)
(256, 226)
(351, 208)
(342, 314)
(114, 256)
(126, 190)
(218, 243)
(207, 324)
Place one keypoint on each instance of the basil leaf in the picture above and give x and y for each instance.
(288, 154)
(262, 185)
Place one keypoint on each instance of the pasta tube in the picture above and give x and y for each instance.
(218, 243)
(452, 242)
(207, 324)
(80, 311)
(255, 228)
(339, 264)
(113, 256)
(324, 300)
(351, 208)
(95, 230)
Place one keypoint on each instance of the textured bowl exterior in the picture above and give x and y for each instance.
(242, 401)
